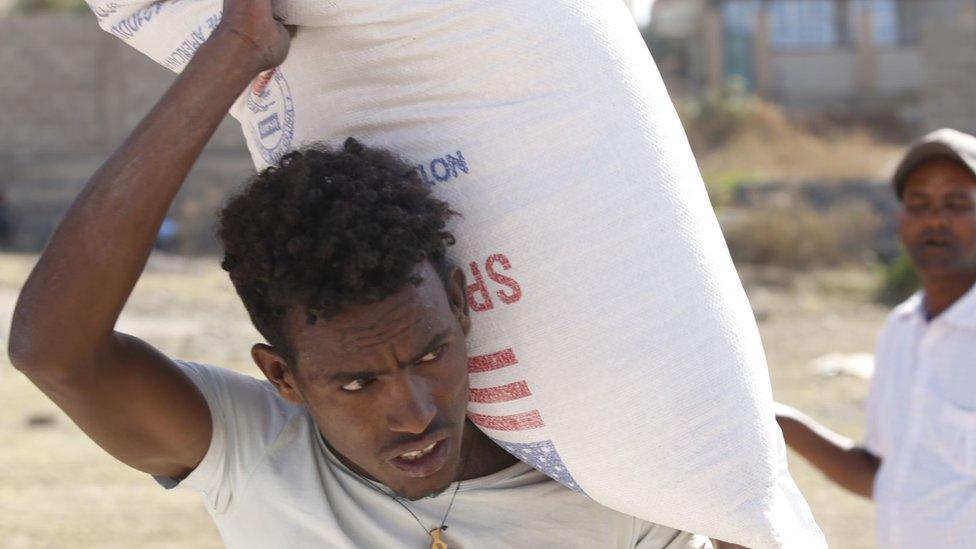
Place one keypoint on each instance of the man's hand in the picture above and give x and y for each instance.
(129, 398)
(253, 24)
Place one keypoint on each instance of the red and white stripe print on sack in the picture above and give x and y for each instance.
(501, 404)
(500, 399)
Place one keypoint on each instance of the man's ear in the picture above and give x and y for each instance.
(458, 297)
(277, 371)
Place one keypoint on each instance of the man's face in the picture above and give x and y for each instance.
(937, 222)
(387, 383)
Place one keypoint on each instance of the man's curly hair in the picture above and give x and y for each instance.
(326, 229)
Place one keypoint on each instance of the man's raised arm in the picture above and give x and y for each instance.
(124, 394)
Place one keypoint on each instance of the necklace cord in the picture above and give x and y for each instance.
(394, 497)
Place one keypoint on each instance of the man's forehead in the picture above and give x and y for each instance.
(400, 321)
(406, 318)
(938, 171)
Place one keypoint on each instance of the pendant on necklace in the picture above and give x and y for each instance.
(437, 542)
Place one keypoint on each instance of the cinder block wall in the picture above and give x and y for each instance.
(69, 87)
(949, 83)
(69, 94)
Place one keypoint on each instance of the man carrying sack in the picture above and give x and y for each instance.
(611, 345)
(358, 438)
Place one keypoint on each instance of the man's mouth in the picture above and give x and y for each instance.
(940, 239)
(413, 456)
(937, 243)
(424, 461)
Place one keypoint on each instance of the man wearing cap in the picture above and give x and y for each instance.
(918, 460)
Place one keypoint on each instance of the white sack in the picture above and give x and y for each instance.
(641, 9)
(613, 345)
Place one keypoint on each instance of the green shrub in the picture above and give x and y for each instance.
(713, 118)
(722, 186)
(899, 281)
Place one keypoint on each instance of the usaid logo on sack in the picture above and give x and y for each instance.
(272, 120)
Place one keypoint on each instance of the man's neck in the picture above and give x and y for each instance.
(942, 291)
(484, 456)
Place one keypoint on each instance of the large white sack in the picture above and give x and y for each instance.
(613, 346)
(641, 9)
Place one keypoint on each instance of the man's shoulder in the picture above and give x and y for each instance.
(216, 377)
(248, 417)
(899, 322)
(906, 309)
(234, 395)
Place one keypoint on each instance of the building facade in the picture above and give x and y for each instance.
(849, 57)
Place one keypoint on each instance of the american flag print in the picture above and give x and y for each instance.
(501, 405)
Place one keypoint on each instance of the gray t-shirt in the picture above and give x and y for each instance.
(269, 480)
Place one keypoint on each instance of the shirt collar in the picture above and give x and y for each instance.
(962, 313)
(911, 307)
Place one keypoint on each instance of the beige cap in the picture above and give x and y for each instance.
(944, 143)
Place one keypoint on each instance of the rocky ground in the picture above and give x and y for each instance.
(57, 489)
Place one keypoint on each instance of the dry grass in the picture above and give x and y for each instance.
(743, 142)
(758, 139)
(790, 233)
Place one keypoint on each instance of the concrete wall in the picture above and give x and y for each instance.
(949, 60)
(899, 71)
(68, 86)
(833, 80)
(814, 76)
(70, 93)
(862, 79)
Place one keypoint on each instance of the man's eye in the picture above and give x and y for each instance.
(433, 355)
(356, 385)
(962, 205)
(916, 207)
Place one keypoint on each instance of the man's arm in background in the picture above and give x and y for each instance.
(129, 398)
(837, 456)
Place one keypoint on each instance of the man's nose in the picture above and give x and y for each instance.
(938, 217)
(938, 220)
(412, 408)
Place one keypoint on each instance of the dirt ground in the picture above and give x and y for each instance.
(58, 490)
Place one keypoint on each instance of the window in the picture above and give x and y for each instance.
(885, 23)
(740, 16)
(803, 24)
(823, 24)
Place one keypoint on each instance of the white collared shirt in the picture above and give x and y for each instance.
(921, 420)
